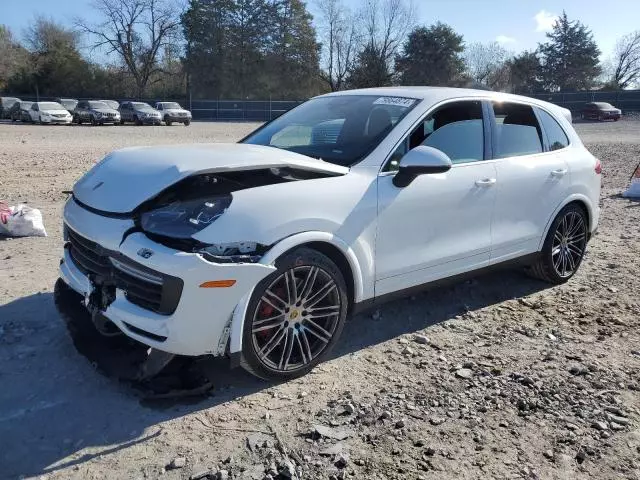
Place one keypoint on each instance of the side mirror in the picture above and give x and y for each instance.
(422, 160)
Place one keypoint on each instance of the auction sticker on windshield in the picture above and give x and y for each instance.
(399, 101)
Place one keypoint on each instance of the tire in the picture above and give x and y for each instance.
(307, 341)
(559, 260)
(137, 121)
(94, 122)
(187, 123)
(167, 121)
(121, 122)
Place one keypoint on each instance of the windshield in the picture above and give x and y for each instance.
(26, 105)
(169, 105)
(338, 129)
(603, 105)
(141, 106)
(98, 105)
(44, 106)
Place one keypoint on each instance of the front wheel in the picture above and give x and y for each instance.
(187, 123)
(137, 121)
(564, 247)
(295, 316)
(167, 121)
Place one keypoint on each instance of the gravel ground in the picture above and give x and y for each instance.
(498, 377)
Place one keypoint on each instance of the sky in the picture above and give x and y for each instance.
(517, 24)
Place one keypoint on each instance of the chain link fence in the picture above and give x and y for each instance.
(625, 100)
(265, 110)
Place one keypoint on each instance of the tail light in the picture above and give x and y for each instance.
(598, 168)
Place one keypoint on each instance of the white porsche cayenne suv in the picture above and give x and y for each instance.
(260, 250)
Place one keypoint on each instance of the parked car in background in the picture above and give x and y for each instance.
(5, 105)
(49, 112)
(20, 111)
(95, 112)
(139, 113)
(173, 112)
(112, 103)
(68, 103)
(601, 111)
(261, 249)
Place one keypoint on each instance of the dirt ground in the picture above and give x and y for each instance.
(499, 377)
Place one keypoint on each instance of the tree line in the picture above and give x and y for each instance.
(260, 49)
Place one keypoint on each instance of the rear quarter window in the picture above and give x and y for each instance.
(556, 136)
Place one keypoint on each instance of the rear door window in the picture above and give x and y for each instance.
(517, 130)
(556, 137)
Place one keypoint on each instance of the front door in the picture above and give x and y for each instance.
(440, 224)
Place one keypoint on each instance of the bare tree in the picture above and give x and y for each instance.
(626, 61)
(487, 64)
(137, 31)
(339, 38)
(386, 24)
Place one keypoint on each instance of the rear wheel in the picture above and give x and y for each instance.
(295, 316)
(564, 246)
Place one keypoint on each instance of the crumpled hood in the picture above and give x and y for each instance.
(126, 178)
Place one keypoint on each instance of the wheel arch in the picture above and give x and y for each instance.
(578, 199)
(328, 244)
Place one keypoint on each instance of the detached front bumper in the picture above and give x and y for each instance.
(200, 318)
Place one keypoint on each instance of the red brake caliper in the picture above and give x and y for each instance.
(265, 311)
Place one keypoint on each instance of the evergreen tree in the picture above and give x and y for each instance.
(431, 56)
(370, 70)
(570, 57)
(293, 62)
(525, 73)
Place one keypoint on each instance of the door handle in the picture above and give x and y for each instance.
(486, 182)
(559, 172)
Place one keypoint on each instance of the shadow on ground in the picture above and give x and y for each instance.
(55, 403)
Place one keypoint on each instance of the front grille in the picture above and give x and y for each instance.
(142, 286)
(110, 115)
(88, 256)
(58, 115)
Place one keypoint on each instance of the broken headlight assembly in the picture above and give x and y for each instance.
(181, 219)
(175, 223)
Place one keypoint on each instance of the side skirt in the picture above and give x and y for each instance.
(506, 265)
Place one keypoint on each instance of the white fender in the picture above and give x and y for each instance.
(361, 291)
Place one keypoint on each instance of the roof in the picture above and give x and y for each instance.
(438, 94)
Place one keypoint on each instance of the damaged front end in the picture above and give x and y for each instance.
(121, 255)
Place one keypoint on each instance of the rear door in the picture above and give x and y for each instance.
(533, 179)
